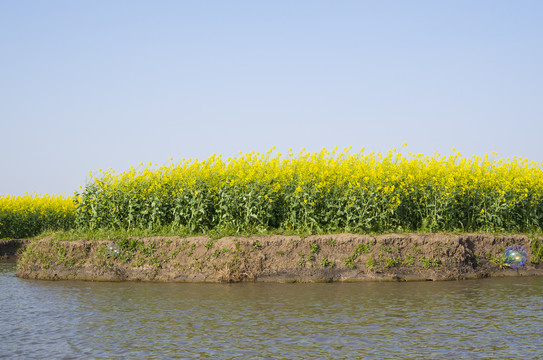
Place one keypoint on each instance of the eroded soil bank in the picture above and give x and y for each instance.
(339, 257)
(9, 248)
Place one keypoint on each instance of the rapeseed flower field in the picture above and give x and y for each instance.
(29, 215)
(337, 191)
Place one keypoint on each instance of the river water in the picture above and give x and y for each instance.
(477, 319)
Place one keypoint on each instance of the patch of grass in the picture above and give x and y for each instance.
(349, 263)
(192, 247)
(409, 260)
(385, 248)
(302, 259)
(140, 261)
(500, 261)
(536, 250)
(360, 249)
(174, 253)
(128, 248)
(218, 253)
(428, 263)
(327, 263)
(371, 263)
(392, 261)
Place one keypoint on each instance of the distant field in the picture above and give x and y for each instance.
(29, 215)
(312, 192)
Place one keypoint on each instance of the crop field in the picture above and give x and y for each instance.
(337, 191)
(29, 215)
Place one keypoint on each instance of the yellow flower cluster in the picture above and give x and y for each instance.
(28, 215)
(324, 191)
(320, 192)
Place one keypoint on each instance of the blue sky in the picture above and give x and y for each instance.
(98, 84)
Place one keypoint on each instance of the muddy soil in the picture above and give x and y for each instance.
(10, 248)
(319, 258)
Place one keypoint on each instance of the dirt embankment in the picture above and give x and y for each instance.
(9, 248)
(341, 257)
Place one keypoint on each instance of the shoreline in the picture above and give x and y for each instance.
(276, 258)
(10, 248)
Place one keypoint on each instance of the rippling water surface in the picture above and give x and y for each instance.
(478, 319)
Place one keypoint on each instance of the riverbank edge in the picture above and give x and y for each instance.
(277, 258)
(9, 248)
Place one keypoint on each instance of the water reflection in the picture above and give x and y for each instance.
(491, 318)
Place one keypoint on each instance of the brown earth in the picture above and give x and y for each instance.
(9, 248)
(318, 258)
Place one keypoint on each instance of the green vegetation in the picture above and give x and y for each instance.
(326, 263)
(392, 261)
(302, 259)
(500, 261)
(311, 193)
(371, 263)
(360, 249)
(427, 262)
(209, 244)
(536, 251)
(29, 215)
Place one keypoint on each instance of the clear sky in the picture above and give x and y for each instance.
(99, 84)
